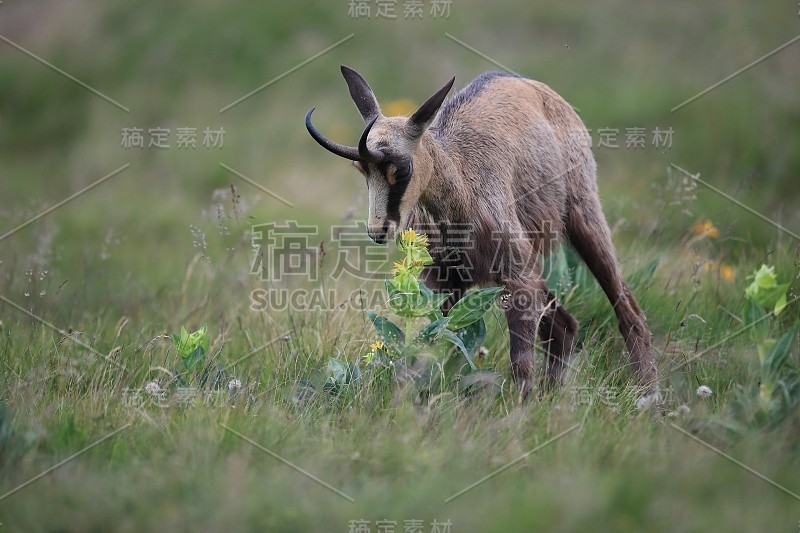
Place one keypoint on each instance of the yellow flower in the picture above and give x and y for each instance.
(399, 266)
(724, 271)
(727, 273)
(403, 106)
(706, 229)
(412, 238)
(377, 345)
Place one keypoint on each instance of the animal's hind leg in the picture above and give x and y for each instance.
(589, 234)
(557, 330)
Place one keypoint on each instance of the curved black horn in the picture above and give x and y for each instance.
(367, 155)
(347, 152)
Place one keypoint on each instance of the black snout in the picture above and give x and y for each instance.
(379, 237)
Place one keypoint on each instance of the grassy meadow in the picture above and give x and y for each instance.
(254, 437)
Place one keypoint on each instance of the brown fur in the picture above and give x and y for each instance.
(509, 159)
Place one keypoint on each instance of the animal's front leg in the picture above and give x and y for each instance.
(521, 304)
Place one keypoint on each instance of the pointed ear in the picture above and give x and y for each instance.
(361, 94)
(423, 116)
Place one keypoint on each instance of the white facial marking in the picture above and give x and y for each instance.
(378, 200)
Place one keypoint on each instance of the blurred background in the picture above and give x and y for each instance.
(168, 66)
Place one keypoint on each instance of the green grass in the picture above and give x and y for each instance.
(162, 245)
(398, 457)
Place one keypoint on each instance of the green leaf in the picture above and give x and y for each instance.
(768, 298)
(780, 305)
(455, 367)
(472, 307)
(776, 358)
(340, 374)
(192, 347)
(398, 301)
(473, 336)
(755, 318)
(435, 301)
(406, 282)
(391, 290)
(421, 255)
(414, 304)
(195, 357)
(435, 315)
(764, 347)
(766, 291)
(763, 278)
(429, 333)
(353, 373)
(205, 339)
(337, 370)
(428, 302)
(391, 335)
(456, 340)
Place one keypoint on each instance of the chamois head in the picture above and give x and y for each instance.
(388, 155)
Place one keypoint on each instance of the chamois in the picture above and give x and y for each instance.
(496, 177)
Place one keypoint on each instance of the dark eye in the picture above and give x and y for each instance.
(404, 172)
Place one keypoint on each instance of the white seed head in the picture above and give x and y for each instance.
(704, 391)
(234, 385)
(152, 388)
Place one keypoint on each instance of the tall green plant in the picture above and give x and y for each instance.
(765, 297)
(778, 389)
(410, 299)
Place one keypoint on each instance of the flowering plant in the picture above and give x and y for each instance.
(766, 297)
(192, 347)
(411, 299)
